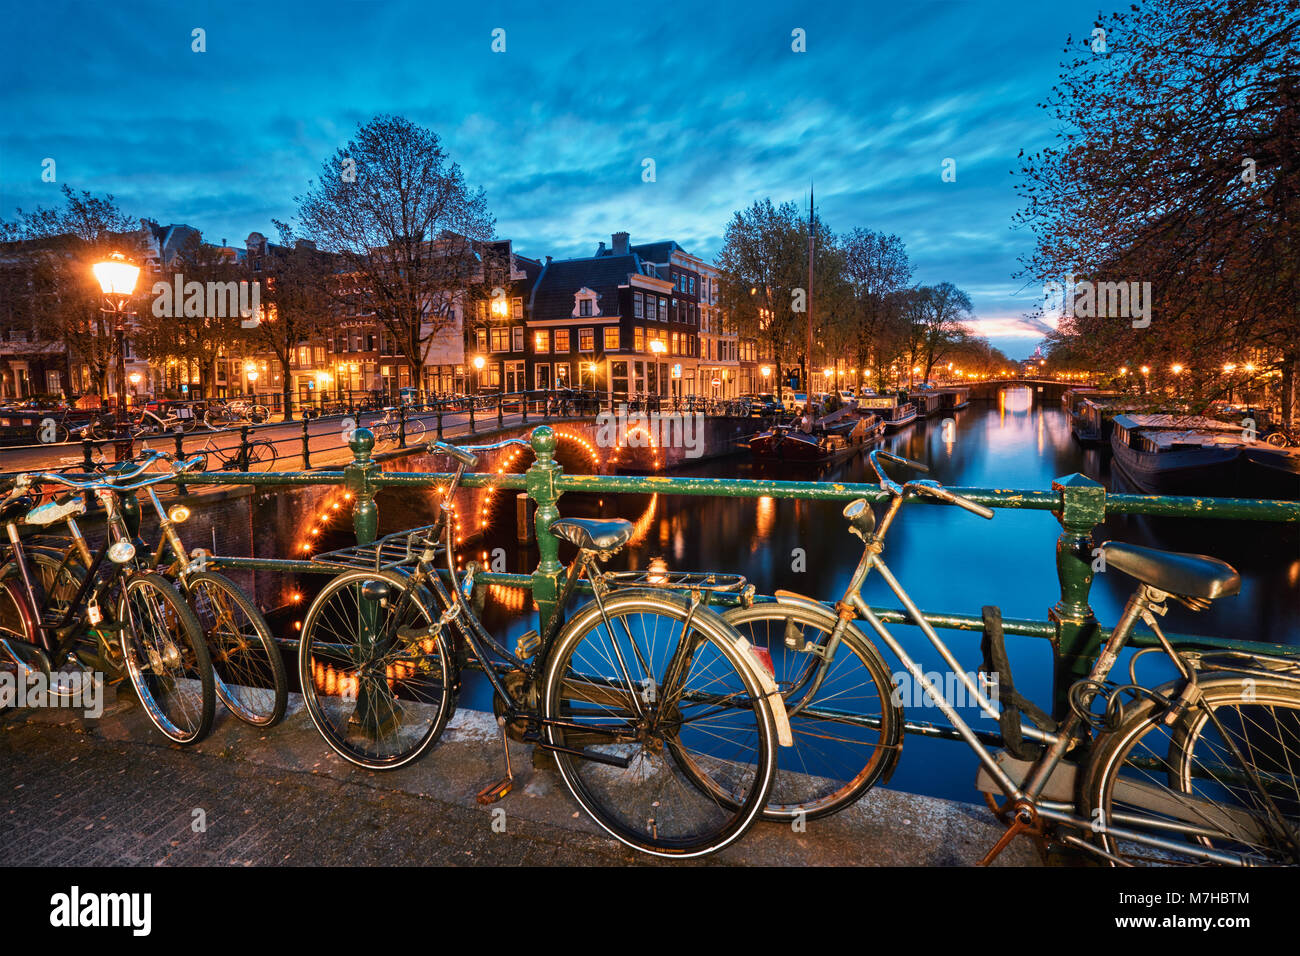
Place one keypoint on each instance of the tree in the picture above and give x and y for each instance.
(405, 223)
(1178, 166)
(764, 266)
(875, 266)
(59, 246)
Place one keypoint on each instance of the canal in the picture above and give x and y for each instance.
(949, 560)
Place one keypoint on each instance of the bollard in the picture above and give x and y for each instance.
(1078, 639)
(306, 445)
(540, 479)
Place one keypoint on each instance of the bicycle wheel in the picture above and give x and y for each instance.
(166, 658)
(258, 414)
(638, 695)
(1185, 785)
(378, 684)
(846, 727)
(414, 431)
(246, 664)
(261, 456)
(1277, 440)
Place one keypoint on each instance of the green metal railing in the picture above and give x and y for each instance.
(1079, 503)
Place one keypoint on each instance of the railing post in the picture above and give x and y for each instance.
(523, 407)
(401, 423)
(179, 438)
(357, 477)
(472, 403)
(88, 455)
(501, 420)
(440, 420)
(1078, 640)
(243, 448)
(540, 479)
(306, 446)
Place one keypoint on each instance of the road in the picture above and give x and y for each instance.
(326, 445)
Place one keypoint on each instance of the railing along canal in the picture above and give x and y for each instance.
(1079, 503)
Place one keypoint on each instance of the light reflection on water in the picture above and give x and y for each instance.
(949, 560)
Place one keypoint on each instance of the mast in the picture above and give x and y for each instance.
(807, 381)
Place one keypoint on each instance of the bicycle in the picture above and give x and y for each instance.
(260, 456)
(1135, 788)
(248, 673)
(387, 429)
(635, 688)
(161, 646)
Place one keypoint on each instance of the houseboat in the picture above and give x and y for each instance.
(1178, 454)
(894, 412)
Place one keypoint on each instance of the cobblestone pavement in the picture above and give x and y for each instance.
(110, 792)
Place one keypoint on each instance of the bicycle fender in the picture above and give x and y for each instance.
(773, 693)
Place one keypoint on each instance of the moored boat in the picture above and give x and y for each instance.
(1177, 454)
(893, 412)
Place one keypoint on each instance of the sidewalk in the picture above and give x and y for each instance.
(110, 792)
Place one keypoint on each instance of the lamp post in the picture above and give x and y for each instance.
(117, 278)
(479, 362)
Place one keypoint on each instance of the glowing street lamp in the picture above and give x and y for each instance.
(1176, 369)
(117, 278)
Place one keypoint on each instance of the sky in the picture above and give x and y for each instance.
(557, 127)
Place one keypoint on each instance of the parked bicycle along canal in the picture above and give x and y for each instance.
(949, 561)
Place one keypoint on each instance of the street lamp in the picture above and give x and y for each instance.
(479, 362)
(117, 278)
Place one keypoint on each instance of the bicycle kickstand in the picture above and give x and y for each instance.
(1024, 821)
(495, 791)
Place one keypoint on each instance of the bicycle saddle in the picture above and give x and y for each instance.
(1188, 575)
(14, 507)
(591, 534)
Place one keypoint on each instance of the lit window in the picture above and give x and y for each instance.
(542, 342)
(611, 338)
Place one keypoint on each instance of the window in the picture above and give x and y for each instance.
(517, 339)
(500, 339)
(674, 346)
(638, 305)
(517, 307)
(561, 374)
(561, 340)
(542, 342)
(691, 285)
(638, 339)
(584, 307)
(611, 338)
(586, 340)
(663, 310)
(482, 339)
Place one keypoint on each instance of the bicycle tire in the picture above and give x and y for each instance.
(821, 773)
(414, 430)
(187, 649)
(262, 456)
(1277, 440)
(747, 754)
(1231, 830)
(332, 661)
(245, 658)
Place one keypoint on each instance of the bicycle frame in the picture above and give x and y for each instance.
(1028, 793)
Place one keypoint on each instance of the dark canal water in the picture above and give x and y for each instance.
(948, 560)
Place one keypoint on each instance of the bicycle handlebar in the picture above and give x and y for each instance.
(936, 490)
(116, 481)
(922, 487)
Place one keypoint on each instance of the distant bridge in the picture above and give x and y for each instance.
(1047, 389)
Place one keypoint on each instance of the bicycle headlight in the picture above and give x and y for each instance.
(178, 514)
(120, 552)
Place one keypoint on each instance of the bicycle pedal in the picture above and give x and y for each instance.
(495, 791)
(527, 645)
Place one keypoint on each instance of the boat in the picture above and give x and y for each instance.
(787, 444)
(894, 412)
(1092, 418)
(926, 402)
(1269, 472)
(1178, 454)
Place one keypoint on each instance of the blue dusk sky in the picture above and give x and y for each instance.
(556, 127)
